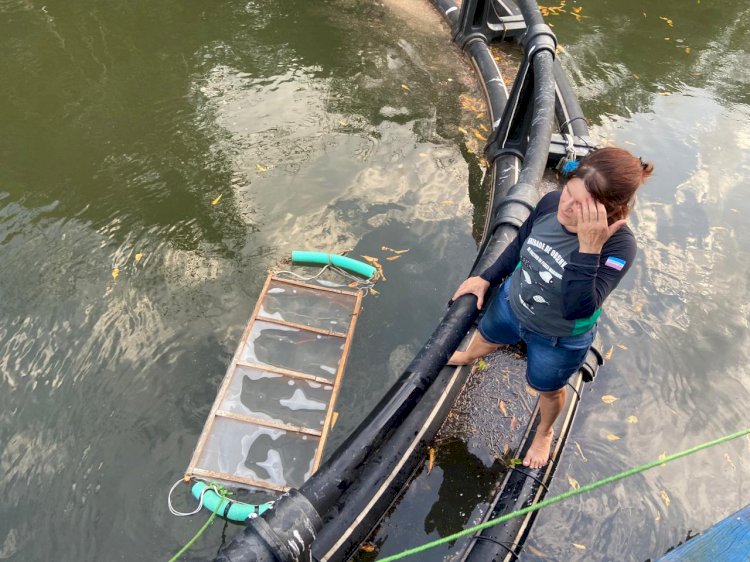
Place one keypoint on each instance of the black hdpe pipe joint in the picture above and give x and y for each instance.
(263, 538)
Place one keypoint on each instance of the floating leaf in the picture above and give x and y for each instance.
(334, 418)
(405, 88)
(665, 497)
(484, 128)
(579, 546)
(632, 419)
(663, 457)
(431, 459)
(478, 135)
(503, 409)
(115, 273)
(374, 292)
(216, 201)
(353, 284)
(447, 203)
(392, 258)
(262, 169)
(535, 551)
(612, 437)
(573, 483)
(368, 547)
(636, 76)
(400, 251)
(138, 257)
(609, 399)
(608, 355)
(462, 130)
(668, 21)
(621, 346)
(581, 452)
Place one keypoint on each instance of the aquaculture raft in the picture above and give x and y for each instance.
(270, 420)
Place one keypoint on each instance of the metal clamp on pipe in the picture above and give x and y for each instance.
(282, 535)
(538, 38)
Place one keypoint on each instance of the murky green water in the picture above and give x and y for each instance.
(334, 125)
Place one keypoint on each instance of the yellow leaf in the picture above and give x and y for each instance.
(667, 20)
(400, 251)
(216, 201)
(665, 497)
(663, 457)
(115, 273)
(370, 259)
(513, 423)
(608, 355)
(581, 452)
(431, 461)
(632, 419)
(447, 202)
(687, 50)
(334, 418)
(393, 258)
(138, 257)
(531, 392)
(644, 14)
(579, 546)
(261, 168)
(636, 76)
(353, 284)
(478, 135)
(367, 547)
(462, 130)
(609, 399)
(374, 292)
(612, 437)
(405, 88)
(485, 129)
(621, 346)
(573, 483)
(503, 409)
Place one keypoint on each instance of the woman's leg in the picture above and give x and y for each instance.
(550, 406)
(478, 347)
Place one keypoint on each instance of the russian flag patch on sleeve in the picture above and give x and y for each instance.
(615, 263)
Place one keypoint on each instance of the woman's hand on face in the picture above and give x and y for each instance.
(593, 230)
(473, 286)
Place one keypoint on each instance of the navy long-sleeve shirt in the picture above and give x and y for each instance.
(555, 289)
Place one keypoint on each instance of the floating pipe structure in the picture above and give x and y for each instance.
(335, 509)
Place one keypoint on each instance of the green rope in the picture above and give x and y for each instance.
(566, 495)
(223, 493)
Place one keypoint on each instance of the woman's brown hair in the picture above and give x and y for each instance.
(612, 176)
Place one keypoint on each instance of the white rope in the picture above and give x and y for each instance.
(173, 511)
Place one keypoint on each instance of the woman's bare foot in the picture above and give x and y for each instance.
(538, 454)
(460, 358)
(478, 347)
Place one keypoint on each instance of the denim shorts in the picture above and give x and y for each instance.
(551, 361)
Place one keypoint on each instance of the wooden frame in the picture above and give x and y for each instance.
(194, 470)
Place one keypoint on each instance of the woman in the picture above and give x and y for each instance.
(568, 256)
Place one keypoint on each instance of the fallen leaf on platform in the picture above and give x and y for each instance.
(481, 365)
(430, 459)
(503, 409)
(115, 273)
(579, 546)
(608, 355)
(581, 452)
(513, 423)
(632, 419)
(609, 399)
(612, 437)
(262, 169)
(478, 135)
(138, 257)
(484, 128)
(216, 201)
(573, 483)
(515, 462)
(665, 497)
(506, 448)
(368, 547)
(392, 258)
